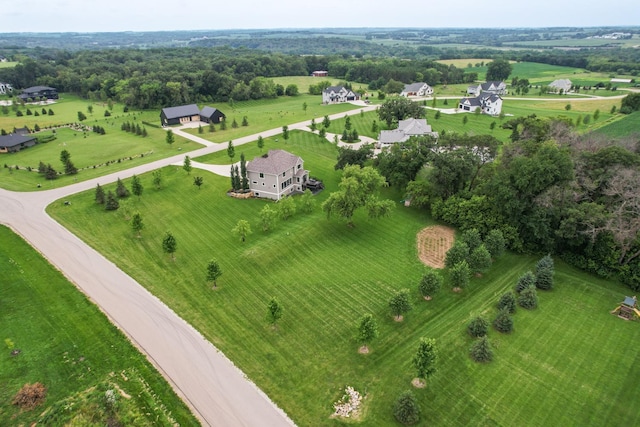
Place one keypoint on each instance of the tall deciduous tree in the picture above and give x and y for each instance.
(400, 304)
(198, 181)
(267, 218)
(367, 330)
(457, 253)
(286, 207)
(498, 70)
(169, 245)
(495, 243)
(399, 108)
(430, 283)
(426, 358)
(479, 259)
(242, 229)
(213, 272)
(460, 274)
(358, 189)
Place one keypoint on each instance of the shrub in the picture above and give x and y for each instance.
(481, 350)
(30, 396)
(478, 327)
(406, 410)
(503, 322)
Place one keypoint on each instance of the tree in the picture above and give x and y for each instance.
(528, 279)
(430, 284)
(498, 70)
(136, 224)
(478, 327)
(357, 189)
(479, 259)
(481, 350)
(198, 181)
(186, 165)
(169, 138)
(495, 243)
(136, 186)
(234, 124)
(231, 151)
(400, 304)
(81, 116)
(349, 156)
(503, 322)
(237, 181)
(121, 190)
(65, 156)
(112, 203)
(457, 253)
(200, 129)
(245, 121)
(425, 358)
(90, 108)
(367, 330)
(213, 272)
(169, 245)
(313, 126)
(492, 125)
(99, 197)
(291, 90)
(326, 122)
(212, 127)
(306, 201)
(406, 410)
(472, 238)
(507, 302)
(242, 229)
(286, 207)
(267, 218)
(157, 179)
(285, 132)
(460, 273)
(528, 298)
(70, 168)
(244, 181)
(544, 273)
(322, 133)
(274, 311)
(399, 108)
(596, 115)
(465, 119)
(260, 143)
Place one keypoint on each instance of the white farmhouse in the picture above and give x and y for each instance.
(276, 174)
(336, 94)
(417, 89)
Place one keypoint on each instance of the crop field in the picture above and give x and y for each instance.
(52, 334)
(303, 82)
(565, 363)
(627, 125)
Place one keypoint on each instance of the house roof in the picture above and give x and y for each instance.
(474, 102)
(561, 83)
(181, 111)
(33, 89)
(414, 126)
(488, 96)
(334, 89)
(8, 141)
(208, 111)
(392, 136)
(274, 162)
(487, 85)
(413, 87)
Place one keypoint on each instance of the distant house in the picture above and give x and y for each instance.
(560, 86)
(417, 89)
(406, 129)
(488, 103)
(16, 142)
(320, 73)
(335, 94)
(276, 174)
(498, 88)
(5, 88)
(38, 93)
(190, 113)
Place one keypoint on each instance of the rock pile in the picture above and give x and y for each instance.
(349, 404)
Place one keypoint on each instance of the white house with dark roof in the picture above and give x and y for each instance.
(336, 94)
(190, 113)
(488, 103)
(5, 88)
(560, 86)
(498, 88)
(276, 174)
(406, 129)
(416, 89)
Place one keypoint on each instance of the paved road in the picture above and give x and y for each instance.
(217, 392)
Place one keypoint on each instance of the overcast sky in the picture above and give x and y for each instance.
(164, 15)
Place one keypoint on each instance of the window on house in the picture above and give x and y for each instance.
(284, 173)
(255, 182)
(261, 175)
(299, 166)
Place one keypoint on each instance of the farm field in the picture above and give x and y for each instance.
(63, 341)
(564, 363)
(627, 125)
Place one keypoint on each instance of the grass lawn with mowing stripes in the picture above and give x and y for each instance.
(68, 345)
(568, 362)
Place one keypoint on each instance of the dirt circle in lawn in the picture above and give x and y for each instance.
(433, 244)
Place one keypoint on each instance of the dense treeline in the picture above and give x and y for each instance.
(549, 191)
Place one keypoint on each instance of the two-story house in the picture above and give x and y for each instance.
(488, 103)
(38, 93)
(335, 94)
(276, 174)
(497, 88)
(406, 129)
(417, 89)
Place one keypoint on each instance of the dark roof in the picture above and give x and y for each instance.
(208, 111)
(490, 96)
(474, 102)
(274, 163)
(629, 301)
(34, 89)
(335, 88)
(8, 141)
(413, 87)
(181, 111)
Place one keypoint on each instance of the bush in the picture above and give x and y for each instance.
(30, 396)
(503, 322)
(478, 327)
(507, 302)
(481, 350)
(528, 298)
(406, 410)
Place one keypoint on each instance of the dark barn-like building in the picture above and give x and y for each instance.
(190, 113)
(38, 93)
(14, 143)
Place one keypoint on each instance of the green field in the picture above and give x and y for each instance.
(625, 126)
(63, 341)
(568, 363)
(8, 64)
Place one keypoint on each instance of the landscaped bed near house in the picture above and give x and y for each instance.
(563, 364)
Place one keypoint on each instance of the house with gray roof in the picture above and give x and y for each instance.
(416, 89)
(488, 103)
(276, 174)
(190, 113)
(38, 93)
(497, 88)
(15, 142)
(406, 129)
(560, 86)
(335, 94)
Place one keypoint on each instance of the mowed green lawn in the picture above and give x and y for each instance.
(122, 150)
(568, 363)
(63, 341)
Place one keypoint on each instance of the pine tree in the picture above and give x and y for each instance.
(100, 196)
(478, 327)
(507, 302)
(260, 142)
(406, 410)
(244, 181)
(111, 203)
(186, 165)
(503, 322)
(136, 224)
(136, 186)
(274, 311)
(238, 180)
(481, 350)
(121, 190)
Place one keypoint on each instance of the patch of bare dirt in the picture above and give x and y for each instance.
(433, 244)
(418, 383)
(363, 350)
